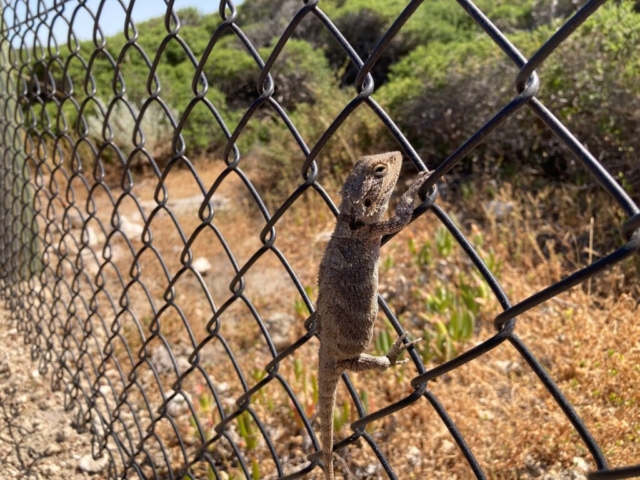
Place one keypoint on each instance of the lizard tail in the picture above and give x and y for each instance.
(328, 379)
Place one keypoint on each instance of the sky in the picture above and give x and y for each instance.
(111, 19)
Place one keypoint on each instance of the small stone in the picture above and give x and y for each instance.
(447, 447)
(36, 394)
(51, 470)
(162, 360)
(90, 465)
(211, 353)
(147, 377)
(201, 265)
(485, 415)
(183, 364)
(581, 464)
(61, 436)
(106, 391)
(371, 469)
(507, 366)
(178, 404)
(533, 466)
(222, 387)
(53, 449)
(75, 219)
(279, 326)
(414, 456)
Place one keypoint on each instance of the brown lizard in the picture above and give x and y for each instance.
(348, 281)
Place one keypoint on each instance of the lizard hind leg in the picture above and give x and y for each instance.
(364, 362)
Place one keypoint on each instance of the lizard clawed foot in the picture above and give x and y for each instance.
(398, 347)
(406, 201)
(415, 186)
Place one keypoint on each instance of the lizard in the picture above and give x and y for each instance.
(347, 303)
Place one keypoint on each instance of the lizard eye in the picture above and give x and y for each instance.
(380, 171)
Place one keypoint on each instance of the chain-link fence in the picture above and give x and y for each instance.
(144, 360)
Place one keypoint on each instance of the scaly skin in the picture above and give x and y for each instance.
(348, 281)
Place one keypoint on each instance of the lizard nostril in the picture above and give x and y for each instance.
(367, 202)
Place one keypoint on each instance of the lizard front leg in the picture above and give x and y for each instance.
(364, 362)
(403, 213)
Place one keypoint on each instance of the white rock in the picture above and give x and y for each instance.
(371, 469)
(507, 366)
(51, 470)
(201, 265)
(581, 464)
(414, 456)
(447, 447)
(106, 391)
(178, 404)
(53, 449)
(75, 219)
(279, 326)
(485, 415)
(162, 360)
(183, 364)
(90, 465)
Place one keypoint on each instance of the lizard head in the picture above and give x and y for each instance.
(367, 190)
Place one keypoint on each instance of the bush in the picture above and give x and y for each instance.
(441, 95)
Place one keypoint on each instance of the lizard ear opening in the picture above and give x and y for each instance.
(367, 202)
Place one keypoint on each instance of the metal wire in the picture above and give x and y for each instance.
(74, 317)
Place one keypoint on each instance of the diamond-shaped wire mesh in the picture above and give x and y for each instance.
(102, 306)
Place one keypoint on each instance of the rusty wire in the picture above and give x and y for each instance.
(60, 305)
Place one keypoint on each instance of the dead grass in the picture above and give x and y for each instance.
(587, 343)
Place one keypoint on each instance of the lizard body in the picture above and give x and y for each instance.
(347, 303)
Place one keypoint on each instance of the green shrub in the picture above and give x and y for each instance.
(441, 94)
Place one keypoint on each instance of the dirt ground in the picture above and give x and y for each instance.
(37, 435)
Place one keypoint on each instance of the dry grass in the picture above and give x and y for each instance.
(587, 343)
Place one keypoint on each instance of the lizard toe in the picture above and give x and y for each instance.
(411, 343)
